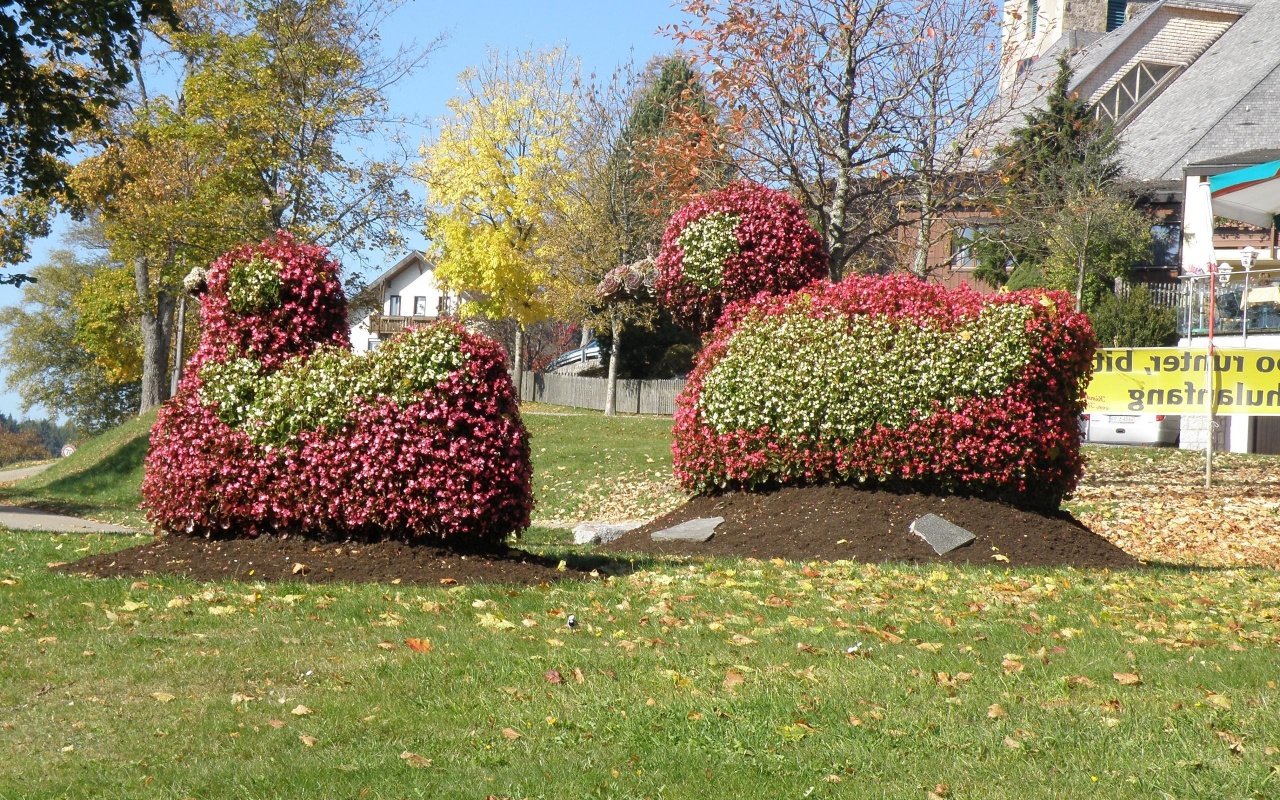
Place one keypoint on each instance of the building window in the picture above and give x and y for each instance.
(419, 306)
(1033, 11)
(1116, 10)
(962, 241)
(1166, 244)
(442, 306)
(1136, 86)
(393, 306)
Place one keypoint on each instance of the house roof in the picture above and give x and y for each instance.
(414, 257)
(1226, 102)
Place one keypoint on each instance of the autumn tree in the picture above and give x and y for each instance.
(60, 63)
(492, 175)
(45, 364)
(947, 118)
(850, 104)
(274, 97)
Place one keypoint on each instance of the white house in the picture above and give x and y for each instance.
(405, 294)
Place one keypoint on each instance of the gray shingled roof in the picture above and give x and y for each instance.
(1227, 101)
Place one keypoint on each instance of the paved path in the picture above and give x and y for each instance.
(27, 519)
(11, 475)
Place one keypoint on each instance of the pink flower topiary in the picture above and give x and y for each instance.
(278, 427)
(734, 244)
(890, 380)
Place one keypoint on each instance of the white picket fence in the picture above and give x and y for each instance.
(634, 397)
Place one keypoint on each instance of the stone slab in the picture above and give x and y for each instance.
(941, 535)
(602, 532)
(695, 530)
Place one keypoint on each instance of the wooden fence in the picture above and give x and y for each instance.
(634, 397)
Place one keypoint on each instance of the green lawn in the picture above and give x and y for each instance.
(683, 679)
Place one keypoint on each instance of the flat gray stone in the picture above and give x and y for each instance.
(941, 535)
(602, 532)
(695, 530)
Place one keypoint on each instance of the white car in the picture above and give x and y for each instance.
(1153, 430)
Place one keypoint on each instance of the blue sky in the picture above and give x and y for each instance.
(602, 34)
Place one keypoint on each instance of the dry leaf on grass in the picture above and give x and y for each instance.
(414, 760)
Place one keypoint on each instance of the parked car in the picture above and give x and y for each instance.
(1153, 430)
(588, 356)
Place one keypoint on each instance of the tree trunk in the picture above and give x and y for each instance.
(611, 389)
(1081, 264)
(924, 233)
(517, 357)
(157, 328)
(836, 228)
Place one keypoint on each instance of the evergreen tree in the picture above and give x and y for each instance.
(1061, 204)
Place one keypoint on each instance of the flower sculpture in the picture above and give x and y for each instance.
(278, 427)
(890, 380)
(734, 244)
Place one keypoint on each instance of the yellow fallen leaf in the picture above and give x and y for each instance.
(740, 640)
(414, 760)
(163, 697)
(301, 711)
(1127, 678)
(511, 733)
(1219, 701)
(1012, 743)
(929, 647)
(309, 741)
(996, 711)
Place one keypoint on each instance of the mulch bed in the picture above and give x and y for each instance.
(269, 558)
(827, 523)
(815, 523)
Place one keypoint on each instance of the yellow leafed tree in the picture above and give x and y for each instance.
(492, 177)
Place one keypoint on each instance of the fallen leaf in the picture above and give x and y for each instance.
(300, 569)
(386, 646)
(578, 676)
(929, 647)
(741, 641)
(1011, 667)
(1012, 743)
(419, 645)
(693, 716)
(1001, 557)
(163, 697)
(1127, 678)
(414, 760)
(1219, 701)
(301, 711)
(733, 679)
(805, 648)
(240, 697)
(511, 733)
(996, 711)
(553, 676)
(130, 606)
(1079, 680)
(276, 723)
(309, 741)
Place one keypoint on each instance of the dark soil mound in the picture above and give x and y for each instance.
(269, 558)
(844, 522)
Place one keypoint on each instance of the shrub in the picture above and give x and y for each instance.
(890, 380)
(20, 446)
(734, 244)
(281, 433)
(1134, 321)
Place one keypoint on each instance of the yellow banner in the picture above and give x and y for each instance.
(1172, 380)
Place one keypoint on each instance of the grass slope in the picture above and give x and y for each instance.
(100, 480)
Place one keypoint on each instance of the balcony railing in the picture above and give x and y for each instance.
(1247, 303)
(389, 326)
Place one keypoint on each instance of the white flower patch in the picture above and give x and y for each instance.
(254, 284)
(321, 390)
(706, 243)
(841, 376)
